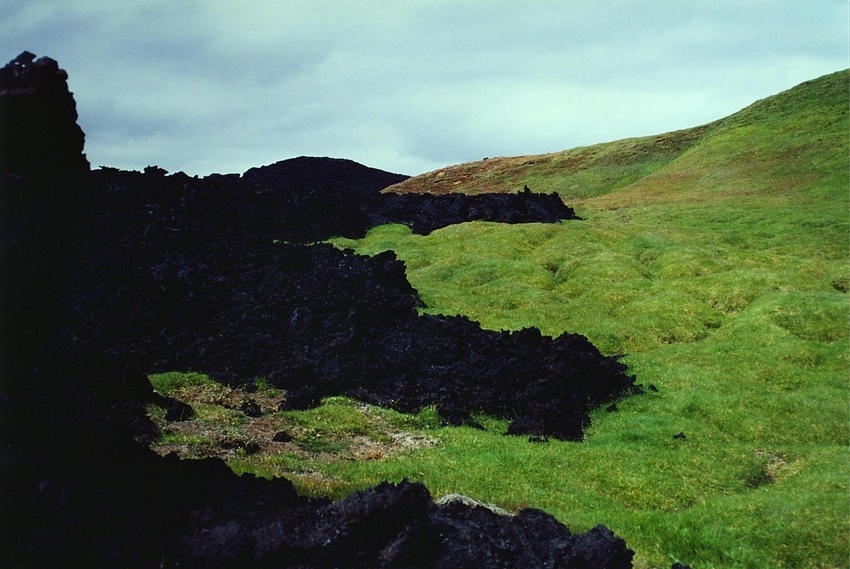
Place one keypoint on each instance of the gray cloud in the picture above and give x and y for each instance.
(409, 87)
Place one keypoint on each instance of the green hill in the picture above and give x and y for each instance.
(759, 148)
(717, 259)
(578, 173)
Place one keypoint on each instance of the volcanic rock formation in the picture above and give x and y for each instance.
(42, 114)
(316, 198)
(110, 275)
(185, 274)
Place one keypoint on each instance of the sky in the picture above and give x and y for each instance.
(410, 86)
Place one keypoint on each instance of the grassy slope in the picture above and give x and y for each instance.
(578, 173)
(718, 261)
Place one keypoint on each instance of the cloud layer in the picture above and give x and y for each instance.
(411, 86)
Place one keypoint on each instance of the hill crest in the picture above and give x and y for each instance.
(805, 115)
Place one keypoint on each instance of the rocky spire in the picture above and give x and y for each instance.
(38, 121)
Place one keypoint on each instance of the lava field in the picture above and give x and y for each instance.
(110, 275)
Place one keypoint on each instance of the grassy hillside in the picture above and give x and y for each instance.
(758, 148)
(579, 173)
(717, 260)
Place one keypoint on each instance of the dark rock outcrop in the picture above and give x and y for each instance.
(80, 489)
(41, 112)
(309, 199)
(424, 213)
(317, 198)
(172, 282)
(399, 526)
(44, 203)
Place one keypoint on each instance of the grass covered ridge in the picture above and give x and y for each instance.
(720, 265)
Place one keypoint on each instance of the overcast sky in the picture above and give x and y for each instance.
(411, 85)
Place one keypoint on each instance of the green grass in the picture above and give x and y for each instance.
(717, 262)
(746, 339)
(722, 272)
(170, 382)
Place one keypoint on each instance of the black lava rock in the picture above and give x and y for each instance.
(282, 437)
(111, 275)
(250, 408)
(38, 118)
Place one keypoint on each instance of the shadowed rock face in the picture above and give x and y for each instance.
(109, 276)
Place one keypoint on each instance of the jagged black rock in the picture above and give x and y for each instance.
(110, 275)
(190, 274)
(317, 198)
